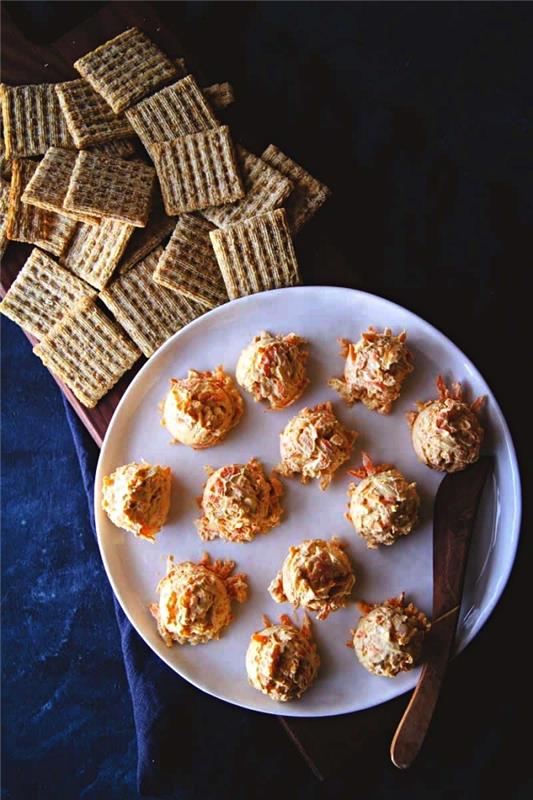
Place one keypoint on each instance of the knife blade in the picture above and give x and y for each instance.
(456, 505)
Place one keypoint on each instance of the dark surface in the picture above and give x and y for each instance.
(419, 118)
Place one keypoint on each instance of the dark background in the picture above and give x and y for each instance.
(419, 116)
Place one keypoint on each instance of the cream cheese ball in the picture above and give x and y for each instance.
(272, 368)
(195, 600)
(446, 432)
(136, 497)
(315, 444)
(317, 575)
(200, 409)
(384, 506)
(375, 368)
(239, 502)
(389, 636)
(282, 661)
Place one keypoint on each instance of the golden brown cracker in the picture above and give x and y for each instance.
(111, 187)
(197, 171)
(188, 264)
(125, 68)
(42, 293)
(149, 313)
(308, 194)
(89, 118)
(88, 352)
(256, 254)
(95, 250)
(33, 120)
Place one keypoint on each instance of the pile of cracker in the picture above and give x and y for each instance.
(143, 210)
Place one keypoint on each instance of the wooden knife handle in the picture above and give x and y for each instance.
(415, 722)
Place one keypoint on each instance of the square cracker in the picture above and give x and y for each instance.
(33, 120)
(95, 250)
(308, 193)
(49, 184)
(256, 254)
(4, 203)
(125, 68)
(147, 311)
(50, 231)
(265, 188)
(188, 264)
(144, 240)
(88, 352)
(197, 171)
(176, 110)
(111, 187)
(89, 118)
(118, 148)
(42, 293)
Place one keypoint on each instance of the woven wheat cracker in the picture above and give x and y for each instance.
(111, 187)
(33, 120)
(88, 352)
(265, 188)
(149, 313)
(256, 254)
(42, 293)
(197, 171)
(144, 240)
(25, 223)
(219, 95)
(49, 184)
(125, 68)
(4, 204)
(95, 250)
(308, 193)
(119, 148)
(89, 118)
(176, 110)
(188, 264)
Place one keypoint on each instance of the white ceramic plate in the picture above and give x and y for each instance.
(321, 314)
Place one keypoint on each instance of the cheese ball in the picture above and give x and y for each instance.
(375, 368)
(239, 502)
(317, 575)
(272, 368)
(195, 600)
(389, 636)
(282, 661)
(315, 444)
(136, 497)
(446, 433)
(384, 506)
(200, 409)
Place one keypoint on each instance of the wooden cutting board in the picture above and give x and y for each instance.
(325, 743)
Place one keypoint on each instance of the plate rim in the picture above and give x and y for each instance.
(288, 710)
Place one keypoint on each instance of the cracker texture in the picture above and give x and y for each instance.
(90, 120)
(197, 171)
(308, 195)
(42, 293)
(95, 250)
(149, 313)
(126, 68)
(88, 352)
(32, 120)
(265, 189)
(49, 184)
(111, 187)
(177, 110)
(188, 264)
(25, 223)
(256, 254)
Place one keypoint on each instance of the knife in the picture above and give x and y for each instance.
(456, 505)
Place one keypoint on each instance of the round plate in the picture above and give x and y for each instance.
(320, 314)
